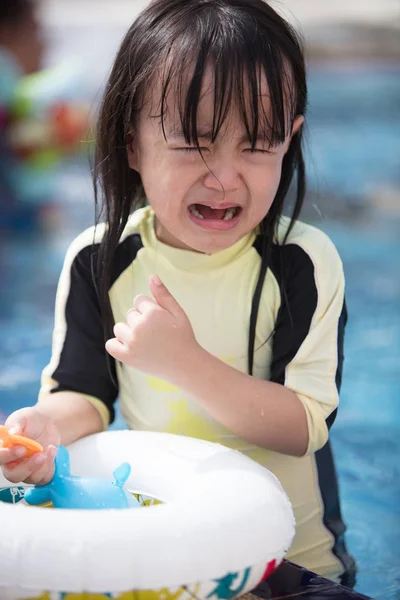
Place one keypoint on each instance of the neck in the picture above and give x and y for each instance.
(164, 236)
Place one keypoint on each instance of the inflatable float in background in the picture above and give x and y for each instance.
(222, 525)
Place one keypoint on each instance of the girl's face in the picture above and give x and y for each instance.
(206, 204)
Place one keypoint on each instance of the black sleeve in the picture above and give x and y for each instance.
(298, 314)
(79, 360)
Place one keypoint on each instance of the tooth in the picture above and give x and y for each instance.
(195, 212)
(229, 214)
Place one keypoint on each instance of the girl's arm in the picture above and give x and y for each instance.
(73, 415)
(77, 390)
(264, 413)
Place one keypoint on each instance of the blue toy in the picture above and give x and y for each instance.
(71, 491)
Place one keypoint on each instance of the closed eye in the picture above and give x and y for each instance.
(191, 149)
(258, 151)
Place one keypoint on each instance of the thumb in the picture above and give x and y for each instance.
(163, 297)
(16, 423)
(25, 421)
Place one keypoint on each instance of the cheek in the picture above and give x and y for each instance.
(276, 178)
(267, 182)
(166, 180)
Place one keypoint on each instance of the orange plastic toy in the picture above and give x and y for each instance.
(10, 441)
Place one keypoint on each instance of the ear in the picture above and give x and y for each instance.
(131, 153)
(297, 123)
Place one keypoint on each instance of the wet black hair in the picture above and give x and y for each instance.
(240, 40)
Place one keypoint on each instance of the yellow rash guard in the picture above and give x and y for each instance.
(304, 327)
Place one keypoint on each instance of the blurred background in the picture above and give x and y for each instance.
(353, 158)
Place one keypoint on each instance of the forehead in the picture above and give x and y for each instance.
(171, 103)
(188, 100)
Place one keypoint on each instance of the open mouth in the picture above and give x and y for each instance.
(202, 211)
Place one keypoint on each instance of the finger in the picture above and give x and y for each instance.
(132, 317)
(24, 469)
(163, 296)
(8, 455)
(117, 350)
(123, 333)
(44, 473)
(143, 303)
(16, 423)
(27, 422)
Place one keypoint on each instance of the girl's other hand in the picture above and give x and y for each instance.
(39, 468)
(158, 338)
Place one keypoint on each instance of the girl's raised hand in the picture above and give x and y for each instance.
(39, 468)
(158, 338)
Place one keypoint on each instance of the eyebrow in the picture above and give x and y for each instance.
(176, 132)
(206, 134)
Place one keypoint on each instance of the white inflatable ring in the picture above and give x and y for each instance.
(224, 522)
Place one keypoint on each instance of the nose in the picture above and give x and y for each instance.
(222, 175)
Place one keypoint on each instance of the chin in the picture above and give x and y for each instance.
(215, 244)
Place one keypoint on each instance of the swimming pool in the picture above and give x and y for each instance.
(366, 435)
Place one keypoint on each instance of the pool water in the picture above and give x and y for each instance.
(366, 435)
